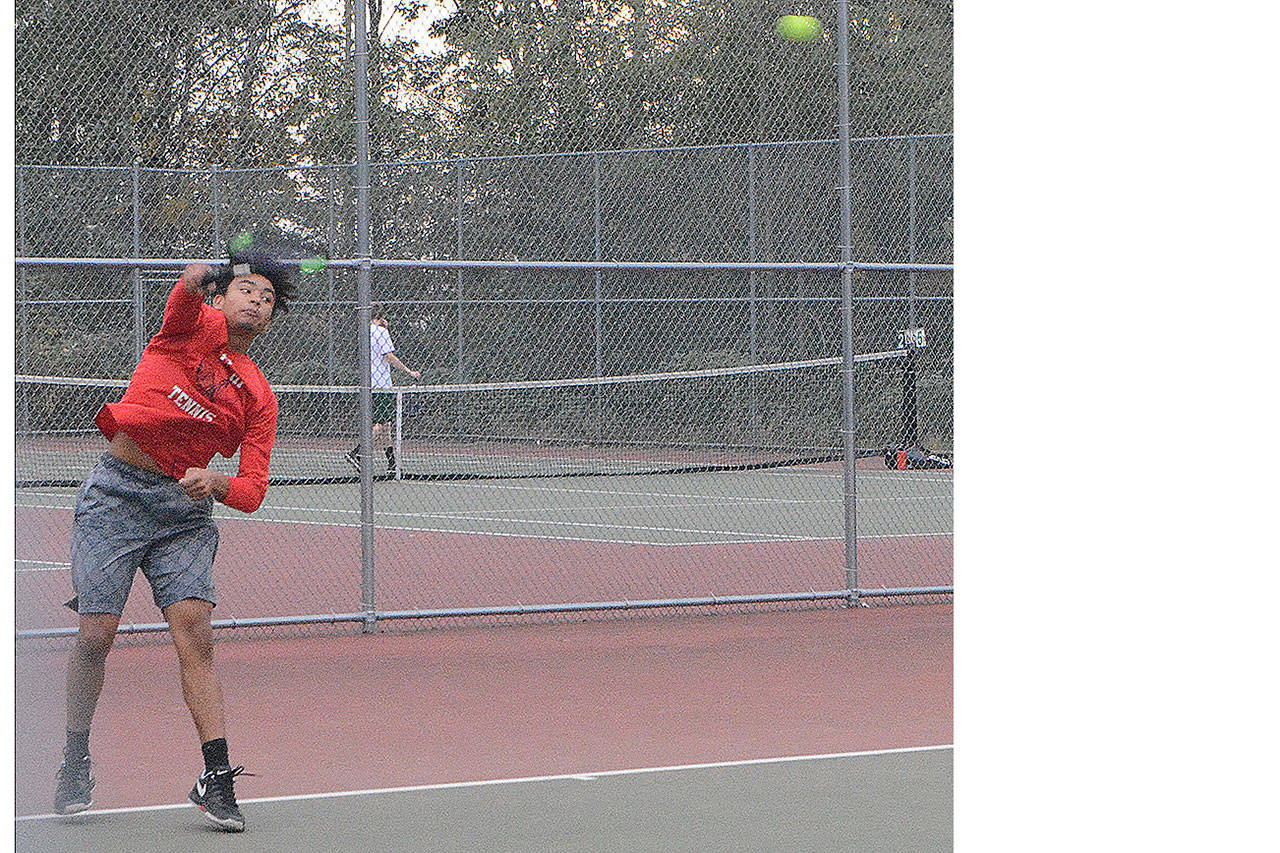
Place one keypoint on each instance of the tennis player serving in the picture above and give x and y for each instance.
(149, 504)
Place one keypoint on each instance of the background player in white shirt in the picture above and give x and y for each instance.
(382, 358)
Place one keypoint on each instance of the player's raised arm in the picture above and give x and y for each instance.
(196, 279)
(182, 311)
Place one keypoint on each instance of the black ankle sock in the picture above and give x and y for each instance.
(215, 754)
(77, 748)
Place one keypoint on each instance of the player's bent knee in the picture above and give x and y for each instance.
(190, 619)
(96, 635)
(93, 647)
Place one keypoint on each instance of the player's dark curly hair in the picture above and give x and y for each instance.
(259, 263)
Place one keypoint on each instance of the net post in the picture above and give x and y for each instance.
(910, 421)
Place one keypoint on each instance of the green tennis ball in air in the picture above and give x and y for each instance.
(312, 265)
(241, 241)
(799, 28)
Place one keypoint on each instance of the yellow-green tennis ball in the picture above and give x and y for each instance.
(798, 28)
(241, 241)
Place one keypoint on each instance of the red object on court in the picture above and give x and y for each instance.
(915, 459)
(190, 397)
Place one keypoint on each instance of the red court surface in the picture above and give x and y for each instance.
(343, 713)
(427, 569)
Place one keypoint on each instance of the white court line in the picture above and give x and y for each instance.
(708, 504)
(711, 501)
(770, 537)
(472, 532)
(750, 535)
(718, 536)
(893, 475)
(873, 537)
(530, 509)
(722, 498)
(717, 498)
(863, 474)
(443, 786)
(40, 566)
(761, 538)
(347, 525)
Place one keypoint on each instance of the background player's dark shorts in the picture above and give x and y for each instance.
(384, 407)
(128, 518)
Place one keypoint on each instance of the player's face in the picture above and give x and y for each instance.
(248, 304)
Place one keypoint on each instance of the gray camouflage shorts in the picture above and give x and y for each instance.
(128, 518)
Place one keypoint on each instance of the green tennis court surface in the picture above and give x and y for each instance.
(886, 801)
(672, 509)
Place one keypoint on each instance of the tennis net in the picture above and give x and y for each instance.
(734, 418)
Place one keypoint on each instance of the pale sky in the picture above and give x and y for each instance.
(393, 22)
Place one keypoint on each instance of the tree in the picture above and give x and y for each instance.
(562, 75)
(239, 83)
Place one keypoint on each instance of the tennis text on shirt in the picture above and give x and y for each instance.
(191, 407)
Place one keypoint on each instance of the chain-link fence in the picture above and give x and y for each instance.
(667, 351)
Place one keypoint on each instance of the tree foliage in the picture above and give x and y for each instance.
(244, 85)
(240, 83)
(564, 75)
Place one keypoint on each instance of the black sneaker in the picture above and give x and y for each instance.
(215, 795)
(353, 456)
(75, 788)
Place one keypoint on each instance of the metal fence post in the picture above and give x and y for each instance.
(846, 308)
(215, 203)
(24, 311)
(139, 317)
(752, 252)
(599, 348)
(910, 420)
(363, 299)
(462, 371)
(331, 281)
(911, 231)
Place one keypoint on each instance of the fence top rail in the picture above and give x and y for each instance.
(183, 170)
(653, 266)
(446, 161)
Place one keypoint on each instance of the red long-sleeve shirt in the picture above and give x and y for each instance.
(190, 397)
